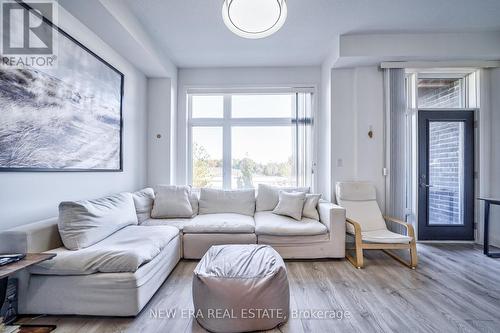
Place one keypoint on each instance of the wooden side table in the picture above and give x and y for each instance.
(486, 241)
(12, 268)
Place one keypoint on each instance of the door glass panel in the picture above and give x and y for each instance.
(262, 155)
(440, 93)
(262, 106)
(446, 173)
(207, 157)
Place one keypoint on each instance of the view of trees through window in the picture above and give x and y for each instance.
(207, 172)
(259, 150)
(248, 173)
(254, 162)
(204, 168)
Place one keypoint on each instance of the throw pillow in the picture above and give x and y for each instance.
(290, 204)
(172, 202)
(268, 196)
(311, 206)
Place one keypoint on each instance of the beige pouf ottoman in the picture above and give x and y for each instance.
(241, 288)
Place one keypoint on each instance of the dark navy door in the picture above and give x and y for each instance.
(446, 175)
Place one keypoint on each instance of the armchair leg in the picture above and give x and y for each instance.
(413, 256)
(358, 261)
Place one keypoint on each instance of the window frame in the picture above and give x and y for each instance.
(227, 123)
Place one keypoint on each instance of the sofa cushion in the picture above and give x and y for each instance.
(178, 223)
(213, 201)
(291, 204)
(172, 202)
(221, 223)
(143, 201)
(124, 251)
(267, 223)
(268, 196)
(84, 223)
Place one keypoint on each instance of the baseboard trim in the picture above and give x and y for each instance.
(446, 242)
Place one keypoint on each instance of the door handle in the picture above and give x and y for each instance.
(426, 185)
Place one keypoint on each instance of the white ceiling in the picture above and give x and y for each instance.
(193, 34)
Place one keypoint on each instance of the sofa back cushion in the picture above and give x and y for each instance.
(268, 196)
(143, 201)
(214, 201)
(86, 222)
(172, 202)
(194, 200)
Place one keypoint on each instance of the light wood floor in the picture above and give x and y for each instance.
(455, 289)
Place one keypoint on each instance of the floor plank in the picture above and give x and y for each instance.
(455, 289)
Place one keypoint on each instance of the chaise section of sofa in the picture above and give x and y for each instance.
(113, 276)
(73, 282)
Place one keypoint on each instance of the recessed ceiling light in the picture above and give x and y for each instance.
(254, 18)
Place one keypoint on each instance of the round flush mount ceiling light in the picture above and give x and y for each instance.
(254, 18)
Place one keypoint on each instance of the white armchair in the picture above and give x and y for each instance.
(365, 223)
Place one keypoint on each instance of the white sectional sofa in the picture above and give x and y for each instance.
(119, 272)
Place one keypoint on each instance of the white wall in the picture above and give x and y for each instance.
(162, 103)
(233, 78)
(324, 122)
(159, 124)
(356, 105)
(494, 183)
(323, 127)
(27, 197)
(367, 49)
(476, 45)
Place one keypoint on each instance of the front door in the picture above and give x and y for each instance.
(446, 175)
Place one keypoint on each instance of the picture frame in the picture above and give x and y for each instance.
(98, 148)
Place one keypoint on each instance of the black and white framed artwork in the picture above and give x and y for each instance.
(62, 118)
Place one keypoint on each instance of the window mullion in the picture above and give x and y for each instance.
(189, 155)
(226, 149)
(296, 139)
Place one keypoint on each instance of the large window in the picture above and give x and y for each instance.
(245, 139)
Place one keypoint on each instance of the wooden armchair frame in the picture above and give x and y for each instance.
(359, 246)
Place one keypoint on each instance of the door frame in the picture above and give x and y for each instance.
(467, 115)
